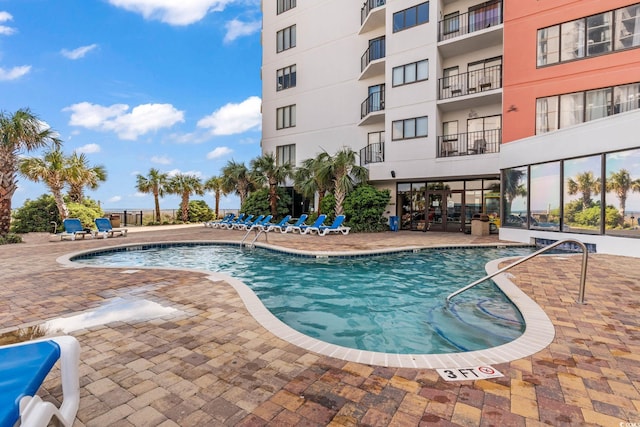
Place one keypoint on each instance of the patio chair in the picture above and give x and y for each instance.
(23, 369)
(73, 228)
(273, 227)
(106, 230)
(240, 220)
(257, 223)
(289, 227)
(335, 227)
(226, 218)
(225, 224)
(244, 224)
(305, 229)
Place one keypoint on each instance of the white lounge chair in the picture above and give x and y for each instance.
(23, 369)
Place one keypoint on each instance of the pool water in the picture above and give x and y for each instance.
(393, 303)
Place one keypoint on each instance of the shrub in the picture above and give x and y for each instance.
(86, 212)
(364, 208)
(258, 203)
(36, 215)
(328, 206)
(199, 211)
(10, 238)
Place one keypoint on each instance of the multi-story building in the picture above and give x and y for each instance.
(417, 88)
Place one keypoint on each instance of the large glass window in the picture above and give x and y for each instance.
(485, 15)
(572, 40)
(571, 109)
(549, 45)
(626, 98)
(598, 103)
(411, 17)
(286, 154)
(284, 5)
(411, 73)
(546, 114)
(581, 188)
(514, 197)
(286, 117)
(627, 26)
(286, 39)
(410, 128)
(599, 34)
(545, 197)
(286, 78)
(622, 199)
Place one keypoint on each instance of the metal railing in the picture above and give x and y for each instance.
(368, 6)
(469, 83)
(373, 103)
(470, 143)
(372, 153)
(458, 24)
(377, 50)
(583, 273)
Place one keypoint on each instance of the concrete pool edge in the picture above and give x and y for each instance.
(538, 334)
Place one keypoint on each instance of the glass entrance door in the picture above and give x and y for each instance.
(445, 211)
(455, 215)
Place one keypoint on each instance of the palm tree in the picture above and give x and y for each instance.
(155, 183)
(215, 184)
(341, 168)
(82, 175)
(19, 132)
(584, 183)
(309, 181)
(513, 188)
(184, 185)
(236, 178)
(620, 183)
(265, 170)
(52, 170)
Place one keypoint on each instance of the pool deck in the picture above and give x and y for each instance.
(212, 364)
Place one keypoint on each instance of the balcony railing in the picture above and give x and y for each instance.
(377, 50)
(373, 103)
(372, 153)
(368, 6)
(469, 83)
(470, 143)
(457, 24)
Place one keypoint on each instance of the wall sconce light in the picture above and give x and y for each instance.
(393, 174)
(512, 109)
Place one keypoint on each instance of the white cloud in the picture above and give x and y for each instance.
(89, 148)
(14, 73)
(5, 16)
(234, 118)
(78, 52)
(161, 160)
(236, 28)
(114, 199)
(4, 30)
(219, 152)
(175, 172)
(127, 125)
(173, 12)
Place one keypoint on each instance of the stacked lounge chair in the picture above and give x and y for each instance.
(335, 227)
(226, 218)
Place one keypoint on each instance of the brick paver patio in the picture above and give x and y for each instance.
(212, 364)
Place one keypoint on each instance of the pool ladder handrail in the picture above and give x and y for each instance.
(583, 274)
(258, 233)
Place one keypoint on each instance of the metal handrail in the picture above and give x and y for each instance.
(583, 274)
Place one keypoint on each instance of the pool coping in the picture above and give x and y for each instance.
(538, 334)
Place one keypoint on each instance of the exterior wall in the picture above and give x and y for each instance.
(524, 81)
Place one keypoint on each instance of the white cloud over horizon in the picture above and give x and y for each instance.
(14, 73)
(79, 52)
(172, 12)
(161, 160)
(219, 152)
(232, 119)
(236, 29)
(128, 125)
(4, 30)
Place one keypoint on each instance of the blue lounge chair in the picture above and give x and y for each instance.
(297, 224)
(335, 227)
(246, 224)
(257, 224)
(241, 218)
(305, 229)
(272, 227)
(226, 223)
(226, 218)
(106, 230)
(73, 228)
(23, 369)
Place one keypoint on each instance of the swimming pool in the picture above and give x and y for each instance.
(392, 303)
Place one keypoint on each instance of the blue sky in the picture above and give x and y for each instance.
(137, 84)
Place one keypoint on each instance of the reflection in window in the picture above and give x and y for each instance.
(571, 109)
(546, 114)
(548, 42)
(514, 200)
(582, 186)
(628, 27)
(545, 197)
(598, 104)
(572, 39)
(623, 193)
(626, 98)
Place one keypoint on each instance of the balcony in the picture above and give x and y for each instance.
(470, 143)
(372, 15)
(460, 33)
(473, 82)
(372, 61)
(372, 153)
(372, 108)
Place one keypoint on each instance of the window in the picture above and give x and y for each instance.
(572, 40)
(582, 188)
(450, 131)
(545, 197)
(286, 154)
(549, 45)
(411, 73)
(598, 104)
(599, 34)
(411, 17)
(620, 170)
(485, 74)
(485, 15)
(409, 128)
(286, 117)
(514, 197)
(626, 98)
(451, 23)
(627, 25)
(286, 39)
(286, 77)
(284, 5)
(571, 109)
(546, 114)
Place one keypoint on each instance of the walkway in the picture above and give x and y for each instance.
(213, 365)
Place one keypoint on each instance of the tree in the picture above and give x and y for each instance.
(184, 185)
(155, 183)
(257, 202)
(237, 179)
(584, 183)
(309, 181)
(215, 184)
(620, 183)
(513, 188)
(82, 175)
(19, 132)
(265, 170)
(52, 170)
(341, 168)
